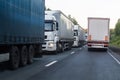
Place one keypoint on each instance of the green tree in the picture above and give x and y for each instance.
(117, 28)
(48, 9)
(112, 34)
(69, 16)
(73, 20)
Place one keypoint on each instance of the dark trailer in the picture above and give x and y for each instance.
(21, 30)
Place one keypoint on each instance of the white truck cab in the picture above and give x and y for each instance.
(76, 36)
(79, 36)
(51, 31)
(58, 32)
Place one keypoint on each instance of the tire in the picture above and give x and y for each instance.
(23, 56)
(57, 48)
(38, 51)
(31, 52)
(105, 49)
(62, 48)
(89, 49)
(70, 46)
(14, 58)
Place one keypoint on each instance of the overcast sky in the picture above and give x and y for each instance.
(82, 9)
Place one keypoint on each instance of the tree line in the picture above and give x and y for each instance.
(115, 35)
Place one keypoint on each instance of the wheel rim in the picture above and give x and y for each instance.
(14, 58)
(24, 56)
(30, 55)
(62, 47)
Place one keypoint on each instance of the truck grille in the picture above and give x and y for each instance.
(44, 43)
(45, 37)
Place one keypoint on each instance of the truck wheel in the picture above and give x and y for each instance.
(89, 49)
(14, 58)
(78, 44)
(62, 47)
(70, 46)
(105, 49)
(30, 54)
(59, 46)
(23, 56)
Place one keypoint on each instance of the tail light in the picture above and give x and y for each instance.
(89, 37)
(106, 45)
(89, 44)
(106, 38)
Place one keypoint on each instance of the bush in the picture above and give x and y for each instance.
(115, 41)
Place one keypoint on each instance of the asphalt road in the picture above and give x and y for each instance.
(76, 64)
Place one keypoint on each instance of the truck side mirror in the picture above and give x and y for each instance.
(56, 26)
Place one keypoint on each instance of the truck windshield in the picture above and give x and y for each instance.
(75, 33)
(48, 26)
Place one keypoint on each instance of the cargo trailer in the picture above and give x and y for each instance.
(21, 31)
(58, 32)
(98, 33)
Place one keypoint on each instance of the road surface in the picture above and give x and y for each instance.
(76, 64)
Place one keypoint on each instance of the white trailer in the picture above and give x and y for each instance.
(79, 36)
(58, 31)
(98, 33)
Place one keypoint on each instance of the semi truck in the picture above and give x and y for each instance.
(98, 33)
(79, 36)
(58, 32)
(21, 31)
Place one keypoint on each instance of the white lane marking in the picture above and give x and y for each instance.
(51, 63)
(72, 52)
(114, 58)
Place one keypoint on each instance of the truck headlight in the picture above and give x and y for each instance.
(51, 44)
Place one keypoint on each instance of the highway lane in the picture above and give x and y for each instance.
(76, 64)
(83, 65)
(39, 65)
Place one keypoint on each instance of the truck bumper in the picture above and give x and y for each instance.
(4, 57)
(49, 46)
(75, 44)
(98, 45)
